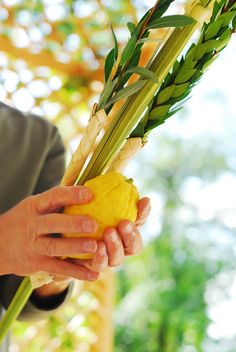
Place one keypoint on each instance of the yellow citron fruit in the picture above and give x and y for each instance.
(115, 199)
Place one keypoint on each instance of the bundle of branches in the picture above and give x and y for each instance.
(162, 88)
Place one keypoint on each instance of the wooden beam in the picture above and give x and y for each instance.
(46, 59)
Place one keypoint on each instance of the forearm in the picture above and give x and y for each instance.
(56, 287)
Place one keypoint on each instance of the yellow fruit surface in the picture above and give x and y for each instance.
(115, 199)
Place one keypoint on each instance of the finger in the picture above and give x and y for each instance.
(99, 261)
(64, 268)
(59, 197)
(131, 238)
(63, 223)
(64, 246)
(114, 247)
(144, 208)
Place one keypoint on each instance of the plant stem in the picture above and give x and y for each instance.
(17, 304)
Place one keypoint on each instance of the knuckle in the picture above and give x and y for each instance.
(52, 196)
(28, 203)
(45, 225)
(36, 226)
(50, 248)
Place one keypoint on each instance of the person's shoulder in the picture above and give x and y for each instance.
(35, 128)
(27, 130)
(16, 118)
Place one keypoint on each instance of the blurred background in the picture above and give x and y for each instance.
(179, 295)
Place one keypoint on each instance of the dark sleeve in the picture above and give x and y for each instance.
(35, 309)
(54, 165)
(50, 175)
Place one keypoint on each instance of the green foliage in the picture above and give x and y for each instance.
(132, 51)
(128, 50)
(161, 303)
(213, 29)
(143, 72)
(111, 57)
(158, 112)
(126, 92)
(187, 72)
(171, 21)
(165, 94)
(184, 76)
(131, 27)
(109, 64)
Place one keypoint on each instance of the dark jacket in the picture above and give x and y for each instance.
(31, 161)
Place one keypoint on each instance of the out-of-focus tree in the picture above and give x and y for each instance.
(166, 297)
(178, 294)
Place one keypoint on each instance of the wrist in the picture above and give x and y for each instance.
(53, 288)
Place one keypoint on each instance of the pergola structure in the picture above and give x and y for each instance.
(53, 54)
(51, 63)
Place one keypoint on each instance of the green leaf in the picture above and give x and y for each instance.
(212, 30)
(196, 77)
(212, 44)
(149, 40)
(191, 52)
(139, 131)
(172, 112)
(180, 89)
(135, 58)
(144, 73)
(132, 63)
(201, 50)
(176, 67)
(189, 64)
(234, 22)
(127, 91)
(171, 21)
(128, 50)
(107, 91)
(165, 94)
(115, 44)
(139, 26)
(131, 26)
(226, 18)
(153, 124)
(109, 63)
(224, 39)
(208, 63)
(233, 5)
(159, 112)
(216, 9)
(184, 76)
(162, 7)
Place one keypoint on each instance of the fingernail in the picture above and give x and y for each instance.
(128, 227)
(113, 237)
(132, 234)
(88, 226)
(103, 251)
(85, 194)
(90, 246)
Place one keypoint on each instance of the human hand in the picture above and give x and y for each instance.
(125, 240)
(117, 243)
(26, 246)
